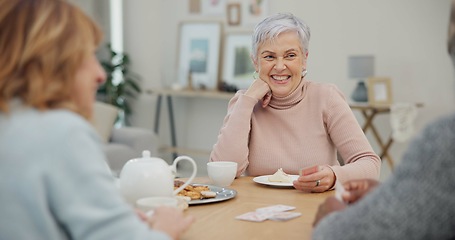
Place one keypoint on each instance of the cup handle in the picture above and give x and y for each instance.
(190, 180)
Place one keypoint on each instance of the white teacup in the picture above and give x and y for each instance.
(222, 173)
(148, 204)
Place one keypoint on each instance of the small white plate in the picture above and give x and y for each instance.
(265, 180)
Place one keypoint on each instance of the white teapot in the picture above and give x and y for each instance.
(151, 176)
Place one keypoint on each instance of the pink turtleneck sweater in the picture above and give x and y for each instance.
(304, 129)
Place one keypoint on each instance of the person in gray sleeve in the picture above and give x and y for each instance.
(416, 202)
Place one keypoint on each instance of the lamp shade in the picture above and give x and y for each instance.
(361, 67)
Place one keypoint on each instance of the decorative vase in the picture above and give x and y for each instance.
(360, 93)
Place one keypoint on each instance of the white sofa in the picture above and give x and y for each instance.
(124, 143)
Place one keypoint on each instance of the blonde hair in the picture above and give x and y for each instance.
(42, 45)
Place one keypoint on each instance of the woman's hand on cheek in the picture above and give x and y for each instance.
(260, 90)
(266, 99)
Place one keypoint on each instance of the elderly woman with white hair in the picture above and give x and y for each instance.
(285, 121)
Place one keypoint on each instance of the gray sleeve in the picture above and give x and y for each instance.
(416, 202)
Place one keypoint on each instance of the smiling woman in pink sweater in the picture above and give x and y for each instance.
(285, 121)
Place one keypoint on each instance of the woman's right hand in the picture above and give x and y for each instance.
(171, 221)
(260, 90)
(357, 189)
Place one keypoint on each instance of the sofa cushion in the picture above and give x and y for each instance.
(104, 116)
(117, 155)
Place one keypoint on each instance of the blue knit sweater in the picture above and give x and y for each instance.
(55, 183)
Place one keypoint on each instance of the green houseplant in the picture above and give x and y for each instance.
(121, 85)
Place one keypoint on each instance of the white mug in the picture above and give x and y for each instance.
(150, 203)
(222, 173)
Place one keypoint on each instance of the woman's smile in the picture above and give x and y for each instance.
(280, 79)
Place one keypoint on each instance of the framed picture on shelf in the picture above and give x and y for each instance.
(199, 53)
(379, 91)
(237, 65)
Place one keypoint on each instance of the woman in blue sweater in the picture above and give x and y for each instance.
(54, 179)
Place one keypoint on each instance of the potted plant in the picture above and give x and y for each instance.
(121, 85)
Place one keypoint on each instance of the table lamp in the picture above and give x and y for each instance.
(360, 68)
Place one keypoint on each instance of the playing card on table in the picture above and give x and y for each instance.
(275, 208)
(284, 216)
(254, 216)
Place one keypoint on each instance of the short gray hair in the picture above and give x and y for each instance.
(269, 28)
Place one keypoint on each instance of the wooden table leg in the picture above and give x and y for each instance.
(369, 125)
(368, 119)
(385, 152)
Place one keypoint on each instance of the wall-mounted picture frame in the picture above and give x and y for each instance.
(254, 11)
(199, 54)
(233, 14)
(213, 7)
(237, 65)
(379, 91)
(194, 6)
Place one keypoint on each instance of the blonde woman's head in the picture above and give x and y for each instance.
(43, 44)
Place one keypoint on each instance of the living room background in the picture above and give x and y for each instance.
(407, 38)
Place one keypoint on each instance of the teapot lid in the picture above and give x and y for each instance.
(146, 154)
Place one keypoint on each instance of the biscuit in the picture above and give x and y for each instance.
(194, 192)
(208, 194)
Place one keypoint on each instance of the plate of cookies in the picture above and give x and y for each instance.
(203, 193)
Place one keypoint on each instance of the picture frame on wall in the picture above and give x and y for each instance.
(233, 14)
(213, 7)
(237, 65)
(254, 11)
(379, 91)
(199, 54)
(194, 6)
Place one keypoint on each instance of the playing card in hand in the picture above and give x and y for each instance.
(339, 190)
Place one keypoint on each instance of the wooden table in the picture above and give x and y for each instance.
(217, 220)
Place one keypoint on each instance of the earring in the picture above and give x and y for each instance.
(304, 72)
(255, 75)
